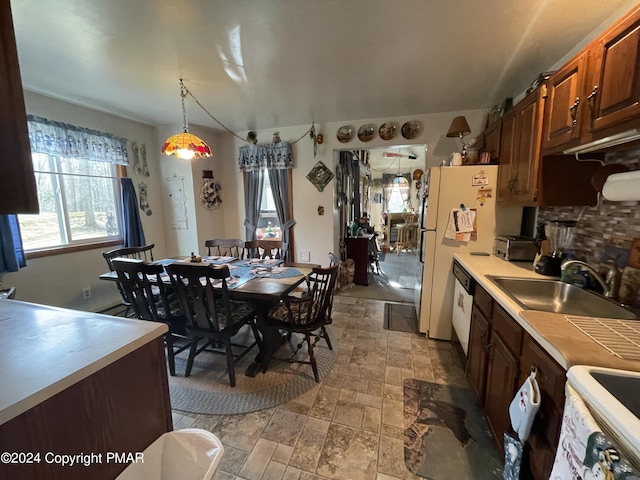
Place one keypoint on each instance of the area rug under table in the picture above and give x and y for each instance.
(446, 436)
(207, 389)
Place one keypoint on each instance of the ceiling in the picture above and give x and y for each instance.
(257, 64)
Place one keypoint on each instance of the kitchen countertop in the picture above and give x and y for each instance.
(48, 349)
(563, 341)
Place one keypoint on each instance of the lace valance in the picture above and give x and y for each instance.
(57, 138)
(275, 156)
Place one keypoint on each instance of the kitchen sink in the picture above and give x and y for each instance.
(549, 295)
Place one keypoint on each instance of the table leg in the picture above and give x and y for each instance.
(272, 340)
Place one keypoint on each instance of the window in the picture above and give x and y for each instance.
(268, 223)
(79, 203)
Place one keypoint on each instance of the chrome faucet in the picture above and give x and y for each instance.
(610, 287)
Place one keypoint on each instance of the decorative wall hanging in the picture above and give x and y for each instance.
(178, 212)
(140, 166)
(210, 193)
(366, 132)
(345, 134)
(320, 176)
(144, 198)
(387, 131)
(411, 130)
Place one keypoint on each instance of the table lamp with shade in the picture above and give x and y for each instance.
(459, 128)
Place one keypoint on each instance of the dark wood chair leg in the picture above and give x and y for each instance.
(168, 338)
(326, 337)
(230, 367)
(192, 354)
(312, 359)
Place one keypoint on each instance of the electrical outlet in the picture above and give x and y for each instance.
(305, 256)
(86, 293)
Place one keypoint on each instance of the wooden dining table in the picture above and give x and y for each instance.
(264, 292)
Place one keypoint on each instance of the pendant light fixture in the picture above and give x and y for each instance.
(185, 145)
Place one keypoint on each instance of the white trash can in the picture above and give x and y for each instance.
(187, 454)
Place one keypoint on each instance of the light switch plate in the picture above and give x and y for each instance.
(305, 256)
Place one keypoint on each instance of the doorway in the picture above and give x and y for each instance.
(375, 188)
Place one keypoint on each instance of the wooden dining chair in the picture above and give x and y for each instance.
(308, 314)
(227, 247)
(211, 315)
(144, 253)
(266, 249)
(151, 300)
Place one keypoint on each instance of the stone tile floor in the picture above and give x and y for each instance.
(350, 426)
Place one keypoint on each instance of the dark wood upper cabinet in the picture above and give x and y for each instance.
(520, 151)
(565, 104)
(18, 193)
(615, 92)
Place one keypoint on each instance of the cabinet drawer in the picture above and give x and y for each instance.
(551, 377)
(508, 329)
(483, 301)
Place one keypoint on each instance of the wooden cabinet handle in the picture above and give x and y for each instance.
(592, 96)
(573, 110)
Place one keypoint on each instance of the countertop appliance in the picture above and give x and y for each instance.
(515, 249)
(560, 233)
(473, 187)
(464, 288)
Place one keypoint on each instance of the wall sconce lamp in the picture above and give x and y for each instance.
(185, 145)
(459, 128)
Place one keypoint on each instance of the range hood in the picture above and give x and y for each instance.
(606, 142)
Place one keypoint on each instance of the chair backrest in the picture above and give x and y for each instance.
(228, 247)
(322, 283)
(143, 287)
(266, 249)
(206, 306)
(141, 253)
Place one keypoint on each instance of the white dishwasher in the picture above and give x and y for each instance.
(462, 305)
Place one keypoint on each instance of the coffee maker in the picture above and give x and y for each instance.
(560, 234)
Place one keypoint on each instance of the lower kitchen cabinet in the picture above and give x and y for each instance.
(501, 356)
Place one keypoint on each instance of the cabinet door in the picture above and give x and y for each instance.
(507, 145)
(616, 80)
(525, 164)
(18, 192)
(492, 140)
(502, 376)
(564, 104)
(479, 338)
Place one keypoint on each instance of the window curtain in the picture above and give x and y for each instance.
(62, 139)
(131, 225)
(279, 179)
(268, 156)
(12, 257)
(277, 159)
(252, 201)
(387, 181)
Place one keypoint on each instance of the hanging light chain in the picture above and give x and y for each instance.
(183, 94)
(184, 91)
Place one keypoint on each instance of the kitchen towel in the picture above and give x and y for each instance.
(524, 406)
(584, 452)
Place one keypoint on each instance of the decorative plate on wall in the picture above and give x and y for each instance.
(345, 134)
(366, 132)
(387, 131)
(411, 130)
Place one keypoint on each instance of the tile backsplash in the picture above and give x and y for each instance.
(610, 223)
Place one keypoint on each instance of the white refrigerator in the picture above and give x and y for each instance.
(460, 187)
